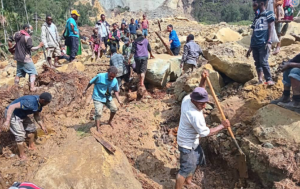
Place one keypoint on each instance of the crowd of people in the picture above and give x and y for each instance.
(133, 57)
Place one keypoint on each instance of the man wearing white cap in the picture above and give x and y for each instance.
(192, 126)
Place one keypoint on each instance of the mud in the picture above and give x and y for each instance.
(146, 129)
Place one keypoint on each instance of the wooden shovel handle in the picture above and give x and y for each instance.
(218, 105)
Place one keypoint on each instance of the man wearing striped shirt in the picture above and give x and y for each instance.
(261, 42)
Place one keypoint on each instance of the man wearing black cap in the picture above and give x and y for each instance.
(20, 124)
(192, 126)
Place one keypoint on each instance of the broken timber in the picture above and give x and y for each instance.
(159, 25)
(168, 49)
(102, 141)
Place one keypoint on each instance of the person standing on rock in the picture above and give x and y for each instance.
(192, 126)
(173, 40)
(103, 30)
(261, 42)
(132, 28)
(50, 38)
(20, 124)
(117, 60)
(280, 31)
(104, 84)
(191, 54)
(72, 35)
(291, 78)
(22, 55)
(145, 26)
(140, 49)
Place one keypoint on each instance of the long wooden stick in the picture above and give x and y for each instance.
(168, 49)
(222, 114)
(159, 25)
(102, 141)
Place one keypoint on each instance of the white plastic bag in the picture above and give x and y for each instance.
(270, 7)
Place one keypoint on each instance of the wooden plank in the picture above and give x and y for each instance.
(168, 49)
(159, 25)
(102, 141)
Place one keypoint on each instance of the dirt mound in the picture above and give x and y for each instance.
(85, 164)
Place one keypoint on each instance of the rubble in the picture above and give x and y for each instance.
(231, 60)
(228, 35)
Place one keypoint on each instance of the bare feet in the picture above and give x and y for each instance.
(23, 157)
(99, 131)
(111, 124)
(191, 184)
(32, 147)
(270, 83)
(57, 65)
(276, 51)
(33, 89)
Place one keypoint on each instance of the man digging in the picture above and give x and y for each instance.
(20, 124)
(192, 126)
(105, 83)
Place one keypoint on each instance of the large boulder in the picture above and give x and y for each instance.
(188, 82)
(236, 110)
(160, 68)
(273, 122)
(3, 64)
(228, 35)
(86, 164)
(231, 60)
(72, 66)
(287, 40)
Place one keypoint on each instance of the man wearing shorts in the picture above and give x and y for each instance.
(191, 54)
(280, 31)
(140, 49)
(104, 84)
(145, 26)
(51, 39)
(22, 55)
(20, 124)
(192, 126)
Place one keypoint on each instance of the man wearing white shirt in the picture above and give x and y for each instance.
(192, 126)
(103, 30)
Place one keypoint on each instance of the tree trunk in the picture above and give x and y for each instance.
(3, 24)
(26, 11)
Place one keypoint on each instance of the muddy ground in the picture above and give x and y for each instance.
(145, 130)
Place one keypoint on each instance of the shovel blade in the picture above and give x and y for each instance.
(242, 165)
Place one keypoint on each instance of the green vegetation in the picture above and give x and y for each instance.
(222, 11)
(15, 13)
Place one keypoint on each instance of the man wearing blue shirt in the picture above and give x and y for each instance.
(20, 124)
(132, 28)
(105, 83)
(261, 42)
(173, 40)
(72, 40)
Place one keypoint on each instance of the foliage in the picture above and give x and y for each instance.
(222, 11)
(15, 15)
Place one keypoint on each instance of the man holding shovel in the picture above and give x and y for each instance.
(192, 126)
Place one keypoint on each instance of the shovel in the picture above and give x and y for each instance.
(242, 164)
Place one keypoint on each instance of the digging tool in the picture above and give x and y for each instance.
(168, 49)
(102, 141)
(159, 25)
(242, 164)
